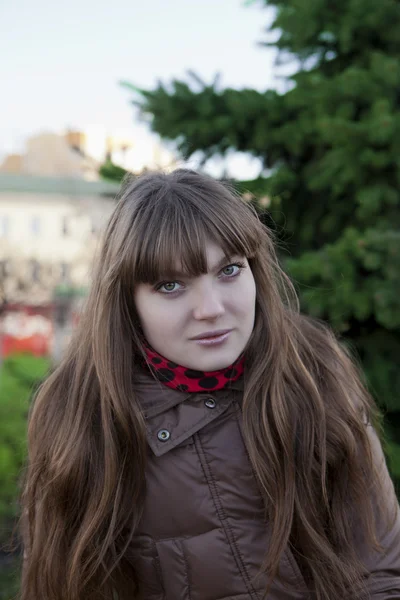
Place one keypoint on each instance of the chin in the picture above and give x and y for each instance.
(216, 363)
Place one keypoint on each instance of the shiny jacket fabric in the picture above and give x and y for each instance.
(203, 534)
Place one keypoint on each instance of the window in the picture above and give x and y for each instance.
(64, 272)
(65, 226)
(35, 225)
(35, 270)
(4, 269)
(4, 225)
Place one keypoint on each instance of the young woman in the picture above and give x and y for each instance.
(201, 439)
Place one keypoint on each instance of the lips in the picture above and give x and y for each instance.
(211, 334)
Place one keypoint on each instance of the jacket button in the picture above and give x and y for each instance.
(210, 403)
(163, 435)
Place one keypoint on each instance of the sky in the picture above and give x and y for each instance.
(61, 62)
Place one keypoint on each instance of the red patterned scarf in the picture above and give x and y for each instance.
(189, 380)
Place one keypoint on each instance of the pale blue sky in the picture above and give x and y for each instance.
(61, 61)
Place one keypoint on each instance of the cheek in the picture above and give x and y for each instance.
(159, 319)
(146, 310)
(243, 308)
(246, 300)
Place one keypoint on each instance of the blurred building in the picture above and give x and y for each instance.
(48, 235)
(132, 153)
(79, 154)
(51, 155)
(49, 231)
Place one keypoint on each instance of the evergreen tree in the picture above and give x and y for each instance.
(331, 144)
(112, 172)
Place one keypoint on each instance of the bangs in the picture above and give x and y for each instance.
(174, 234)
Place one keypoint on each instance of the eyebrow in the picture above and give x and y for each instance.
(221, 263)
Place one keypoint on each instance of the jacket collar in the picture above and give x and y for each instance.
(155, 398)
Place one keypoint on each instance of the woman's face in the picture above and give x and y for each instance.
(221, 304)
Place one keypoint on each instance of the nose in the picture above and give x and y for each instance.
(208, 305)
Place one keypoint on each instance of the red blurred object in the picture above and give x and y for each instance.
(35, 344)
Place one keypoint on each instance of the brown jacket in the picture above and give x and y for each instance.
(203, 534)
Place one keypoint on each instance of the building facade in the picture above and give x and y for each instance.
(49, 232)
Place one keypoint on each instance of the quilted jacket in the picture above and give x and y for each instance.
(203, 534)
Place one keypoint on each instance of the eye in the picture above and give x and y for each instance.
(232, 270)
(168, 287)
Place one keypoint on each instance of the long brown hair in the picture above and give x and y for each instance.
(305, 410)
